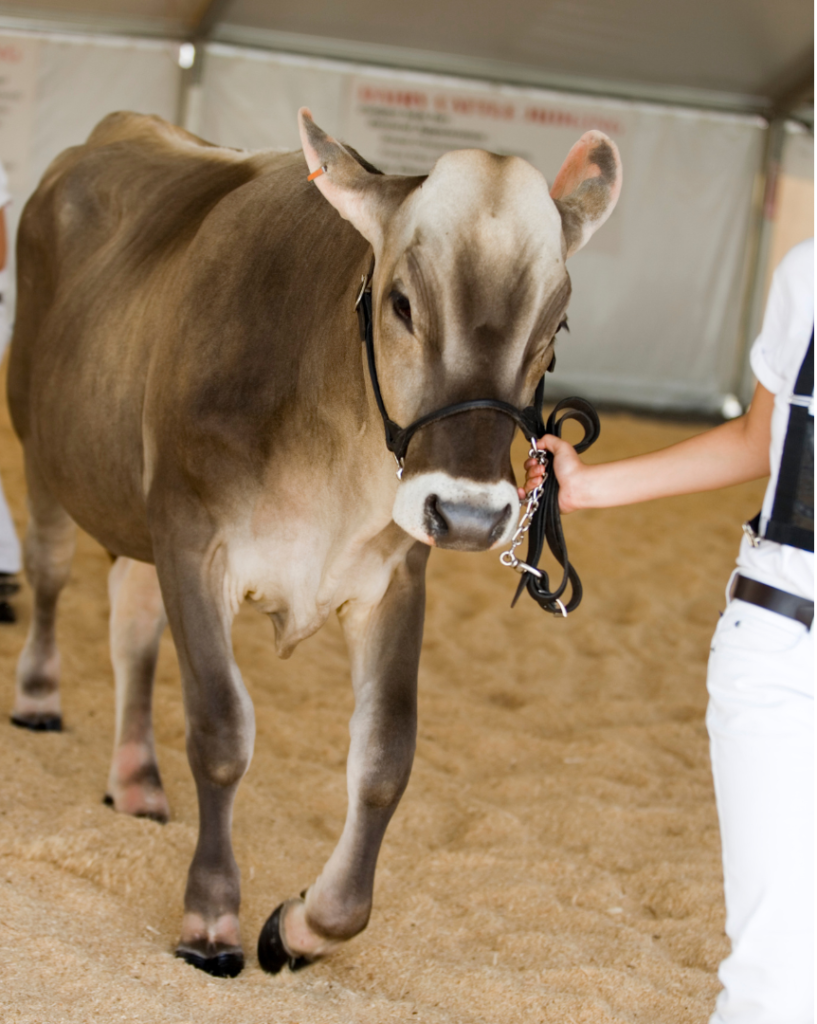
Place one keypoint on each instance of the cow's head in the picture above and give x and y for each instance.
(470, 288)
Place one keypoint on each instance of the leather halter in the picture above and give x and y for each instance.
(546, 524)
(528, 420)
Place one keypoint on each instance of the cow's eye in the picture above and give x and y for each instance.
(402, 308)
(561, 325)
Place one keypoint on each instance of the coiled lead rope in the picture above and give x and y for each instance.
(542, 521)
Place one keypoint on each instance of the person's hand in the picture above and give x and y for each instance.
(534, 474)
(567, 466)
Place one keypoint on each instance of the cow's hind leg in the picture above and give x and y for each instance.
(384, 645)
(137, 622)
(48, 550)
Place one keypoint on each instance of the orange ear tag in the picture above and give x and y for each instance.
(316, 174)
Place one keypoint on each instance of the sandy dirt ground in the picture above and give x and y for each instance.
(556, 856)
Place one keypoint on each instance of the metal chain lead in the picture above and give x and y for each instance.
(508, 557)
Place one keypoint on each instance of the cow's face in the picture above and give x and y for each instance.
(470, 288)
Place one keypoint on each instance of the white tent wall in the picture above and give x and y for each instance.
(794, 203)
(655, 316)
(77, 80)
(250, 98)
(784, 204)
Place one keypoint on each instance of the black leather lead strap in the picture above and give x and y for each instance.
(547, 520)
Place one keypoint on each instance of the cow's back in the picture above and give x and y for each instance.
(115, 207)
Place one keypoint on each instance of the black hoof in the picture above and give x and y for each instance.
(222, 965)
(7, 613)
(273, 955)
(39, 723)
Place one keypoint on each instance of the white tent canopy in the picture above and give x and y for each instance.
(665, 296)
(734, 54)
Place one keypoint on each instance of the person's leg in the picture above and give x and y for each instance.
(760, 722)
(10, 560)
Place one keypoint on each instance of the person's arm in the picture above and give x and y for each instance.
(731, 453)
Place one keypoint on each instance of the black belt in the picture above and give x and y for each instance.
(780, 601)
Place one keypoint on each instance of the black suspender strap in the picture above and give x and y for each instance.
(792, 518)
(805, 378)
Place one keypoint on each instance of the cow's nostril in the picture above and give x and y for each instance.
(436, 523)
(501, 523)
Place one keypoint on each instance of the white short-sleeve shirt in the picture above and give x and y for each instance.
(776, 357)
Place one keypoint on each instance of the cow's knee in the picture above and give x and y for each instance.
(219, 764)
(47, 553)
(220, 747)
(381, 755)
(380, 761)
(380, 786)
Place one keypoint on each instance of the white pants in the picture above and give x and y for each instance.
(761, 721)
(9, 544)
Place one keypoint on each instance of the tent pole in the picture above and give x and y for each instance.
(188, 101)
(760, 241)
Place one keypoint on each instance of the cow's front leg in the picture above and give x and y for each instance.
(220, 735)
(384, 645)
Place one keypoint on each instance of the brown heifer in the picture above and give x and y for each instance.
(186, 352)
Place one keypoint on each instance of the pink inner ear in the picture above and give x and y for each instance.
(578, 167)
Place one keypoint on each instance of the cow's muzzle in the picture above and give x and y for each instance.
(457, 513)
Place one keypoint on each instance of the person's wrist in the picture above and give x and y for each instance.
(580, 491)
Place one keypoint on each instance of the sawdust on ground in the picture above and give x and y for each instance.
(555, 858)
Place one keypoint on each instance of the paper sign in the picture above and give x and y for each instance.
(404, 126)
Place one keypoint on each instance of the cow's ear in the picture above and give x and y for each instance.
(587, 187)
(366, 198)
